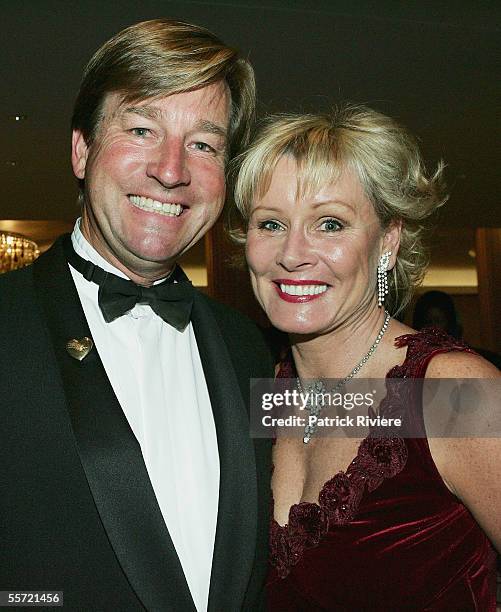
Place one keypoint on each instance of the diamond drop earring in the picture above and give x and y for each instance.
(382, 278)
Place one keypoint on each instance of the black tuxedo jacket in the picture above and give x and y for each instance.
(77, 510)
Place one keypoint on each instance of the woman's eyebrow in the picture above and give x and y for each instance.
(334, 202)
(264, 208)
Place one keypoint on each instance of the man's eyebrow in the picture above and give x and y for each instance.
(208, 126)
(149, 112)
(153, 112)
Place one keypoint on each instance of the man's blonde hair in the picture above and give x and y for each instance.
(162, 57)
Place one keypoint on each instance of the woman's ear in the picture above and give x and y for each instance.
(79, 153)
(391, 241)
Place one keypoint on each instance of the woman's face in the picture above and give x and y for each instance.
(313, 258)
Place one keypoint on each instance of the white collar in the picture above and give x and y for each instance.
(83, 248)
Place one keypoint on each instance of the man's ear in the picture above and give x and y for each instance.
(391, 241)
(79, 153)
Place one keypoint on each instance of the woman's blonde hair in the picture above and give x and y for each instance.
(383, 155)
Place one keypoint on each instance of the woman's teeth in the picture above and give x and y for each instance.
(171, 210)
(303, 289)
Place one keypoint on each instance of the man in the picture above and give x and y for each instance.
(130, 479)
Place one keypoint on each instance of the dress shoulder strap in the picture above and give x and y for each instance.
(421, 348)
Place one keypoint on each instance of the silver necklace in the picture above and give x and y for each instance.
(317, 387)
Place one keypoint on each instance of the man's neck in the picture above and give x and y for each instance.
(89, 249)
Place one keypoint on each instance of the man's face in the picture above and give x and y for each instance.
(154, 178)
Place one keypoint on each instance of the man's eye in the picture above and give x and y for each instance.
(271, 226)
(331, 225)
(140, 131)
(204, 147)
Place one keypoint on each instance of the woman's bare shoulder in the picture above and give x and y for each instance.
(461, 364)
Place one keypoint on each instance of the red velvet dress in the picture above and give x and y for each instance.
(386, 534)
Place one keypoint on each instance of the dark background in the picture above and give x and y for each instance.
(433, 65)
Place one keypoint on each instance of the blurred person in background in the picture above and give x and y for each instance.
(437, 309)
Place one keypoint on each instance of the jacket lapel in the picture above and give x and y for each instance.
(235, 542)
(109, 452)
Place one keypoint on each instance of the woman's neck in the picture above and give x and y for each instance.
(335, 354)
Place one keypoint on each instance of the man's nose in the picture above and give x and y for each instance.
(168, 164)
(297, 251)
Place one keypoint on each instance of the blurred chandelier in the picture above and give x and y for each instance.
(16, 251)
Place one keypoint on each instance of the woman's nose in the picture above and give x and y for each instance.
(296, 252)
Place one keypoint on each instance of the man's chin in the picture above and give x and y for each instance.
(153, 257)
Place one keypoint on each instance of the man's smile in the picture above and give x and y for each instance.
(163, 208)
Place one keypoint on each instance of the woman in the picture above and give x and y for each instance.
(335, 208)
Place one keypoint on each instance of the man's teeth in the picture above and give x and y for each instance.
(303, 289)
(171, 210)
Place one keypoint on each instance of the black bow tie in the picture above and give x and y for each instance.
(171, 299)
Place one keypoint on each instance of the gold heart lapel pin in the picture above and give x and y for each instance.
(79, 348)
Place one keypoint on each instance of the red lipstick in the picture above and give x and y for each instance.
(297, 299)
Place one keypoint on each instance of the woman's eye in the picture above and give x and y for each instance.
(331, 225)
(271, 226)
(139, 131)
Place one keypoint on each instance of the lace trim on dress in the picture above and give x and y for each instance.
(377, 458)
